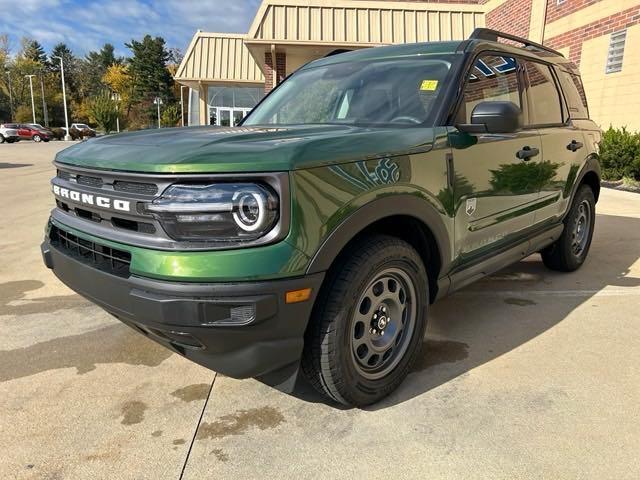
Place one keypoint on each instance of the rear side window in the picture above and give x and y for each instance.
(544, 99)
(574, 95)
(492, 78)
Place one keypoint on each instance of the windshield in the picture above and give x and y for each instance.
(381, 92)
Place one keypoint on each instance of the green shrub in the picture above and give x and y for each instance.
(620, 154)
(75, 134)
(58, 133)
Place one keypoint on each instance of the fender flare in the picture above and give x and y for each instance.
(591, 165)
(388, 206)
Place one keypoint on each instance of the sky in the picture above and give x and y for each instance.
(86, 25)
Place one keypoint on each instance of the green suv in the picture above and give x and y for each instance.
(313, 237)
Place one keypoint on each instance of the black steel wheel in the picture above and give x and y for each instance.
(368, 322)
(570, 251)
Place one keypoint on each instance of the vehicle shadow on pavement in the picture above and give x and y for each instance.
(508, 309)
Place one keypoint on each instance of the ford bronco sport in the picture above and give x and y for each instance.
(313, 237)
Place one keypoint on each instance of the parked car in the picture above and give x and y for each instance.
(81, 127)
(313, 238)
(37, 126)
(9, 133)
(27, 132)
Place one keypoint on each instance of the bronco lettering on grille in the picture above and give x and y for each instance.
(89, 199)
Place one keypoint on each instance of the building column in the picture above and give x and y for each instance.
(274, 74)
(203, 103)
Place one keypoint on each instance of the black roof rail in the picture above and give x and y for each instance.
(493, 36)
(337, 51)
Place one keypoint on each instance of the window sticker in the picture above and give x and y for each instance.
(429, 85)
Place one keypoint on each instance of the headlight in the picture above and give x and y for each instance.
(220, 212)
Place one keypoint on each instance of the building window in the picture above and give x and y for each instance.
(560, 2)
(228, 105)
(616, 51)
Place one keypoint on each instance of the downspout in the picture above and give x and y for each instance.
(274, 66)
(544, 23)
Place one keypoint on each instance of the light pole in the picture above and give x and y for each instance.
(158, 101)
(182, 103)
(116, 98)
(45, 113)
(33, 104)
(10, 93)
(67, 137)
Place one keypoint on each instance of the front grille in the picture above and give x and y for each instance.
(89, 181)
(102, 257)
(135, 187)
(64, 175)
(140, 188)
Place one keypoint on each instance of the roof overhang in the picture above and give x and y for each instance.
(325, 25)
(218, 58)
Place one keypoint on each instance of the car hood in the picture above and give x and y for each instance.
(243, 149)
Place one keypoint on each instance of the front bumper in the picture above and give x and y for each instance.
(189, 318)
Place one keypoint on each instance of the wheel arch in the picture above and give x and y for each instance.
(404, 216)
(589, 175)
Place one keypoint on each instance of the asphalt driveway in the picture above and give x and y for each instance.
(526, 374)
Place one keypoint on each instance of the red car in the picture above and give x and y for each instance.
(27, 132)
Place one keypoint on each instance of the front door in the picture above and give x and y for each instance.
(495, 192)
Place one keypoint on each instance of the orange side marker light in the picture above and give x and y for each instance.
(295, 296)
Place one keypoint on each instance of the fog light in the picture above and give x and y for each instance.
(243, 314)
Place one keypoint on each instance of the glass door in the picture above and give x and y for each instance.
(223, 116)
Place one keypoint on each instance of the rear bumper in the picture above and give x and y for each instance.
(192, 319)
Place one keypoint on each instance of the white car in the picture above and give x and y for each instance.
(79, 126)
(9, 133)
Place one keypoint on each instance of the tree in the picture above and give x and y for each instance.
(104, 111)
(32, 50)
(117, 78)
(93, 68)
(148, 67)
(170, 116)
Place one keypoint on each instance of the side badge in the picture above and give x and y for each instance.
(471, 206)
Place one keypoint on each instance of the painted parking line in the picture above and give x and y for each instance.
(608, 292)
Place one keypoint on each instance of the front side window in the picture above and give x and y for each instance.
(492, 78)
(544, 98)
(375, 92)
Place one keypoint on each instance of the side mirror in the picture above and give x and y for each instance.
(494, 117)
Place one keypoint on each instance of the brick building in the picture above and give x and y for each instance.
(228, 74)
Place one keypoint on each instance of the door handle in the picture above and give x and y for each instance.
(573, 146)
(527, 152)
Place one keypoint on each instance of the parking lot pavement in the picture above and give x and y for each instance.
(525, 374)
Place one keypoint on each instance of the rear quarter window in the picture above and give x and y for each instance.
(574, 95)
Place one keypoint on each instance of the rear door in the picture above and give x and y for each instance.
(24, 132)
(562, 140)
(495, 193)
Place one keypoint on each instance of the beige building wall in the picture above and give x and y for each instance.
(614, 98)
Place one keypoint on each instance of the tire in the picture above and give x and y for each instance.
(1, 139)
(346, 355)
(569, 252)
(36, 138)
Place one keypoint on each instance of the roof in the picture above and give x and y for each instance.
(222, 57)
